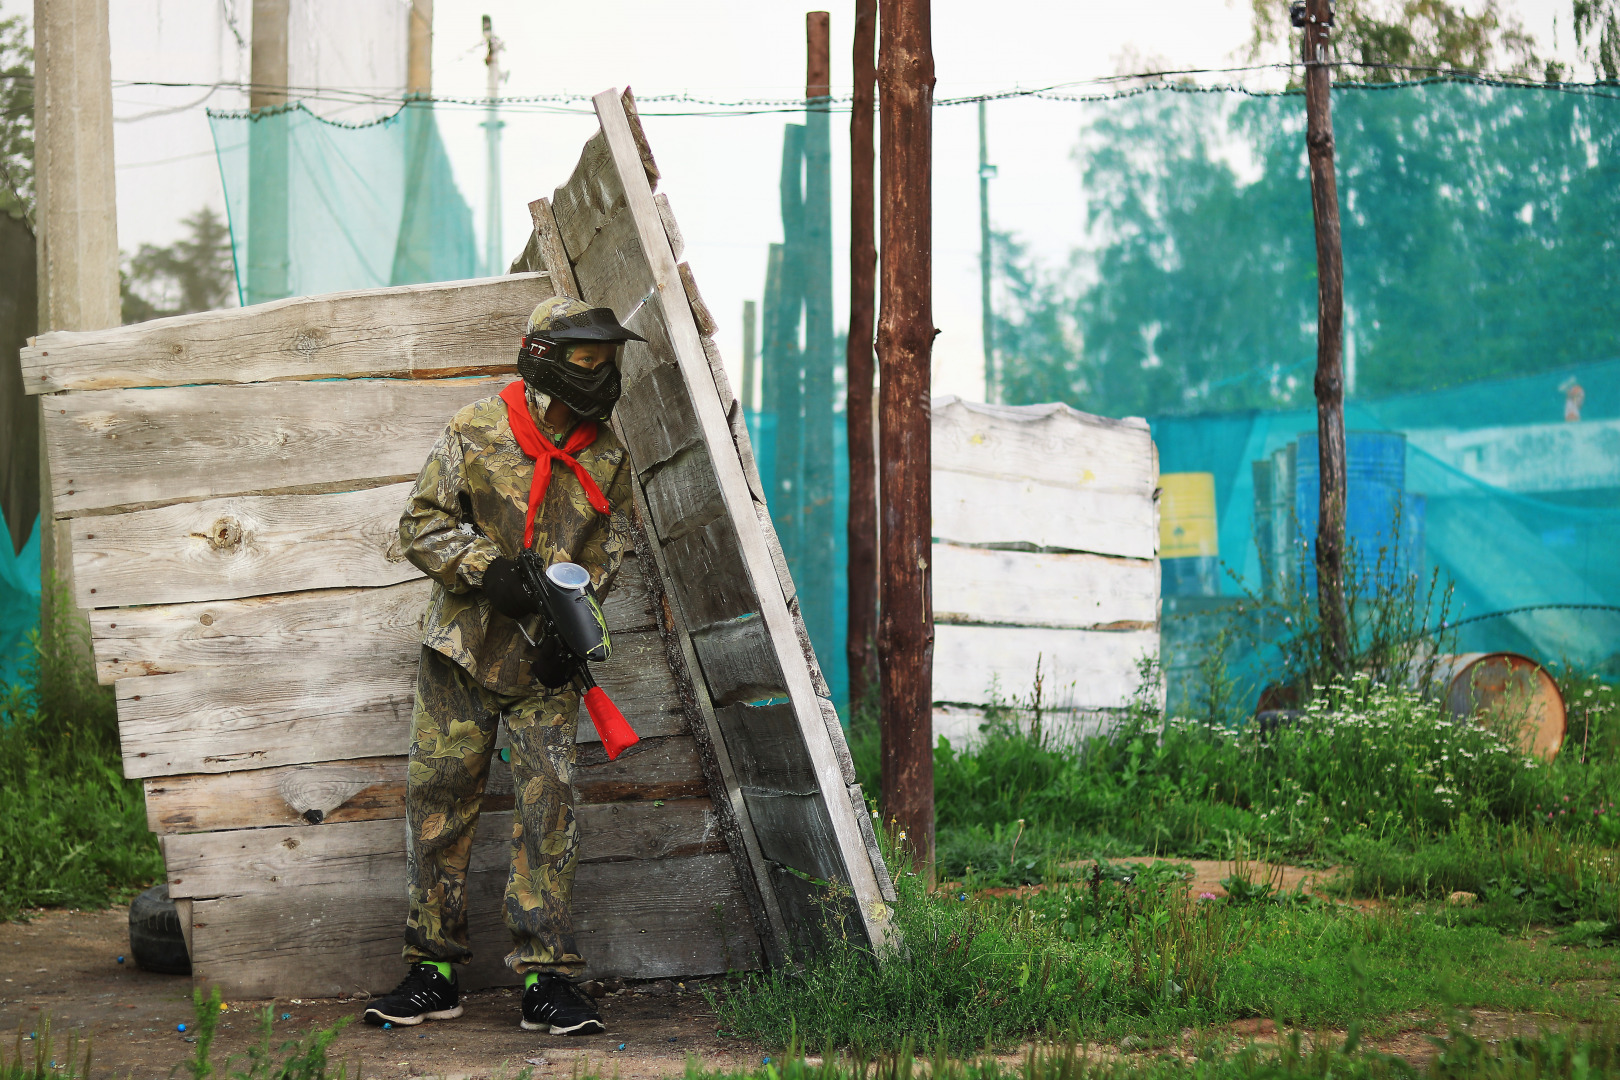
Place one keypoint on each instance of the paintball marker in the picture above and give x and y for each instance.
(571, 635)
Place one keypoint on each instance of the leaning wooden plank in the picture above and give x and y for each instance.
(673, 917)
(134, 448)
(971, 508)
(267, 710)
(1079, 668)
(668, 296)
(1026, 588)
(549, 242)
(249, 545)
(409, 331)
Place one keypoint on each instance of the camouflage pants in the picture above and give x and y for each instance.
(453, 729)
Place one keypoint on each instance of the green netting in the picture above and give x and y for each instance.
(318, 207)
(19, 605)
(1482, 287)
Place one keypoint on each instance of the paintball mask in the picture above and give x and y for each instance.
(555, 326)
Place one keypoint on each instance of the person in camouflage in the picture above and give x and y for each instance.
(479, 501)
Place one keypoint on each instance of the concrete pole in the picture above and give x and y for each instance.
(76, 210)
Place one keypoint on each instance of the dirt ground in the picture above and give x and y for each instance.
(62, 967)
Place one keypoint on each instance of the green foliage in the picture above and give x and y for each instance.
(16, 119)
(1597, 32)
(194, 274)
(1474, 225)
(72, 829)
(301, 1058)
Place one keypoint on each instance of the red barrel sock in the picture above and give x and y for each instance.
(617, 735)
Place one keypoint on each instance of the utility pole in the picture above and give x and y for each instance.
(904, 342)
(750, 355)
(860, 641)
(493, 47)
(992, 382)
(268, 257)
(76, 220)
(419, 50)
(413, 249)
(817, 592)
(1315, 17)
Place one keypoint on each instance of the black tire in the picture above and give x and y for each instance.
(155, 940)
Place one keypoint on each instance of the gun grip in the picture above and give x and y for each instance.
(617, 735)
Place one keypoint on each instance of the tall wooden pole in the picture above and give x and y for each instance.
(986, 171)
(269, 259)
(419, 49)
(904, 341)
(860, 643)
(750, 354)
(1318, 21)
(818, 570)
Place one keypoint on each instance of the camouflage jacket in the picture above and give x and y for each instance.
(467, 509)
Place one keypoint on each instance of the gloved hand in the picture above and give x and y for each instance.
(507, 592)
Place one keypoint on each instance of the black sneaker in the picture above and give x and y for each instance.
(423, 994)
(554, 1004)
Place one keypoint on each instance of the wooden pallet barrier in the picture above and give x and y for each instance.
(230, 484)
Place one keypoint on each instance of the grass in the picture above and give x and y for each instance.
(72, 829)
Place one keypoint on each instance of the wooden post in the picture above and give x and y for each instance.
(419, 49)
(269, 262)
(750, 355)
(986, 171)
(818, 571)
(783, 366)
(904, 342)
(860, 642)
(1318, 20)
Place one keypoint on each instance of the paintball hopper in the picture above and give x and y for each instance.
(574, 635)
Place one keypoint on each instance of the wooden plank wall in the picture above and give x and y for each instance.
(1046, 546)
(232, 523)
(768, 726)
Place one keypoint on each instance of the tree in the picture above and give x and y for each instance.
(1597, 32)
(16, 120)
(1424, 35)
(194, 274)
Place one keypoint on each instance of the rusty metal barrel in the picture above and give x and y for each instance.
(1503, 688)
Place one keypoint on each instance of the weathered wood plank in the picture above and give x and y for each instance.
(674, 917)
(667, 768)
(257, 860)
(265, 711)
(250, 545)
(767, 752)
(360, 789)
(409, 331)
(1025, 588)
(548, 240)
(1053, 444)
(682, 494)
(362, 625)
(132, 448)
(972, 508)
(740, 664)
(707, 566)
(589, 197)
(795, 831)
(359, 624)
(1079, 668)
(655, 418)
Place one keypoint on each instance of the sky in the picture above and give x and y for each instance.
(720, 173)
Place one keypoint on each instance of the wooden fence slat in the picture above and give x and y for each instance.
(326, 707)
(1025, 588)
(972, 508)
(250, 545)
(1066, 449)
(1079, 668)
(672, 917)
(409, 331)
(135, 448)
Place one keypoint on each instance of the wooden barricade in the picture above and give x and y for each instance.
(231, 483)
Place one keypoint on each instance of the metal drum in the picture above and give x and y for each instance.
(1506, 687)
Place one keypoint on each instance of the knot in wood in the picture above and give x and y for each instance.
(1319, 140)
(225, 534)
(308, 340)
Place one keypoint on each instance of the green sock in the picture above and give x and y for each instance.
(530, 979)
(440, 966)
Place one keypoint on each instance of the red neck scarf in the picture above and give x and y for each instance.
(535, 444)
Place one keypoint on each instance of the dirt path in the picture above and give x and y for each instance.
(63, 967)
